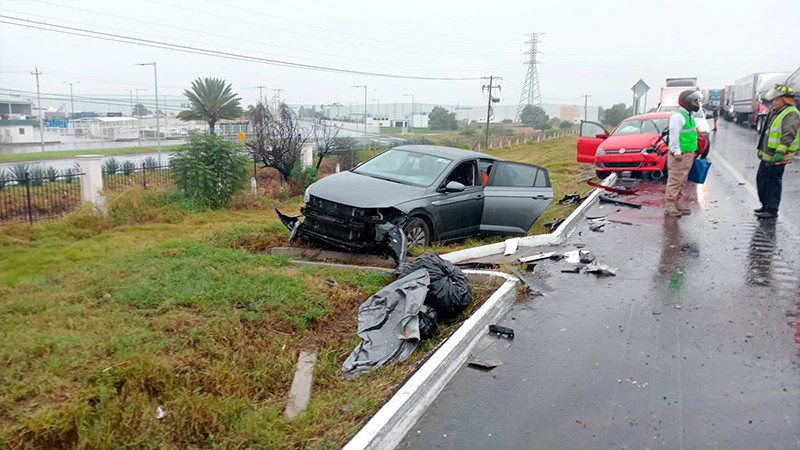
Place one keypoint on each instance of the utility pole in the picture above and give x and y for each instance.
(260, 94)
(412, 113)
(365, 109)
(39, 100)
(139, 116)
(585, 106)
(71, 102)
(158, 122)
(490, 86)
(530, 91)
(277, 97)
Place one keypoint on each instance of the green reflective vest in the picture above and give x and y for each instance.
(774, 139)
(688, 139)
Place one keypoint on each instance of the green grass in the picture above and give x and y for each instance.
(105, 318)
(35, 156)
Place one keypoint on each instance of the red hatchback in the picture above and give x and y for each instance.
(635, 145)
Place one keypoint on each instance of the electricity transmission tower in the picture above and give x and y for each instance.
(530, 90)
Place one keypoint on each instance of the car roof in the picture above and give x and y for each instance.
(653, 115)
(455, 154)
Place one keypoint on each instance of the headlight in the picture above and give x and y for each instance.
(601, 151)
(306, 196)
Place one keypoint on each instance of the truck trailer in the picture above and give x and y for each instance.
(748, 108)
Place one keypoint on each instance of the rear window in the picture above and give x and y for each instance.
(638, 126)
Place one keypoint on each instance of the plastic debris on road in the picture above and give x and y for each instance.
(599, 269)
(161, 412)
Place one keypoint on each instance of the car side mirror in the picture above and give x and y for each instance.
(601, 135)
(454, 186)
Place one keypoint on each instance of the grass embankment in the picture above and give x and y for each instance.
(36, 156)
(103, 319)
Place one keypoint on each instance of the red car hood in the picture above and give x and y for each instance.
(641, 140)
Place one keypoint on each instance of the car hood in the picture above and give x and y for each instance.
(361, 191)
(630, 141)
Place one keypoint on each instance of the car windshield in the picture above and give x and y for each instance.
(405, 167)
(638, 126)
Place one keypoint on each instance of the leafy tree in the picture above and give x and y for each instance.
(616, 114)
(564, 124)
(210, 169)
(440, 119)
(140, 110)
(277, 138)
(533, 116)
(211, 101)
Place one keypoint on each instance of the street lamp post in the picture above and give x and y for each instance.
(158, 122)
(412, 113)
(365, 109)
(71, 102)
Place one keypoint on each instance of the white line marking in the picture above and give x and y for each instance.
(736, 175)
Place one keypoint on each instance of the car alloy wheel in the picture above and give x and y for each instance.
(417, 234)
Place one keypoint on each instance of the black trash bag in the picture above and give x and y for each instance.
(449, 291)
(427, 322)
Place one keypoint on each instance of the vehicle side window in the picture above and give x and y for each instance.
(591, 129)
(542, 179)
(464, 173)
(485, 168)
(516, 175)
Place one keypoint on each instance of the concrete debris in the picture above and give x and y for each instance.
(538, 257)
(511, 246)
(579, 256)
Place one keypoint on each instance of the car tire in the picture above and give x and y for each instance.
(602, 174)
(418, 234)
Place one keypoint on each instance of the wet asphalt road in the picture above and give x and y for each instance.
(694, 344)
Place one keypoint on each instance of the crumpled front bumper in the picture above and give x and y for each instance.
(340, 227)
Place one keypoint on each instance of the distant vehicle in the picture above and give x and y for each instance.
(748, 108)
(681, 82)
(636, 144)
(727, 103)
(431, 193)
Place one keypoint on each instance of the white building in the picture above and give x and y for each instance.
(107, 128)
(18, 126)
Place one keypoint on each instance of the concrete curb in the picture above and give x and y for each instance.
(392, 422)
(556, 237)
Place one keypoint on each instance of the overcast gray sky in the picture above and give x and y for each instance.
(590, 47)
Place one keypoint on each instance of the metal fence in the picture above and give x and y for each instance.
(147, 175)
(38, 194)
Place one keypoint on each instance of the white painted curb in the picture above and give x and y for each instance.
(556, 237)
(393, 421)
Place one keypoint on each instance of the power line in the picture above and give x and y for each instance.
(206, 52)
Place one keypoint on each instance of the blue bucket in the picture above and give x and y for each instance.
(699, 171)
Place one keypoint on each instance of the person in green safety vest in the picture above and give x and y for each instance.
(682, 145)
(777, 145)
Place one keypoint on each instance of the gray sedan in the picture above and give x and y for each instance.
(412, 195)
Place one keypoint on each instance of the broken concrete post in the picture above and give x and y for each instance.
(92, 180)
(307, 154)
(300, 392)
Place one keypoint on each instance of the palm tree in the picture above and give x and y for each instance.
(211, 101)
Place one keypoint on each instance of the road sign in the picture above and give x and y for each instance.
(640, 88)
(241, 135)
(405, 130)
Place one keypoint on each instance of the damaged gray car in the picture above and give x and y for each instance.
(412, 195)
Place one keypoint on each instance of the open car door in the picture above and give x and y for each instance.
(514, 197)
(588, 141)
